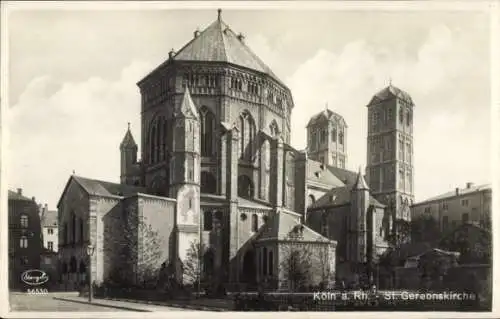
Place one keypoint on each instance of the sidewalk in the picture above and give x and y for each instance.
(122, 304)
(193, 304)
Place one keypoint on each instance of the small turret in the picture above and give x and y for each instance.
(128, 157)
(360, 183)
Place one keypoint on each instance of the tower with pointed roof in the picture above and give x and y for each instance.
(185, 160)
(390, 165)
(326, 136)
(358, 220)
(128, 159)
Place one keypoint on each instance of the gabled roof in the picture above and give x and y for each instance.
(327, 115)
(340, 196)
(15, 196)
(102, 188)
(284, 226)
(461, 192)
(321, 173)
(49, 218)
(128, 139)
(389, 93)
(218, 43)
(187, 108)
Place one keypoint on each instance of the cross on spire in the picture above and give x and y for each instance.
(73, 172)
(390, 81)
(326, 106)
(219, 13)
(128, 125)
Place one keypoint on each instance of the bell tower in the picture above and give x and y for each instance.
(326, 138)
(390, 161)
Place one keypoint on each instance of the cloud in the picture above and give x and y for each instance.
(76, 127)
(451, 136)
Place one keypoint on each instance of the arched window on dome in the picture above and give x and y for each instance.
(158, 140)
(207, 120)
(246, 126)
(274, 129)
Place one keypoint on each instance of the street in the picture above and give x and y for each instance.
(25, 302)
(53, 302)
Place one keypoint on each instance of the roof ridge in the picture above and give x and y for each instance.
(221, 34)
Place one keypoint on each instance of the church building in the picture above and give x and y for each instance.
(217, 176)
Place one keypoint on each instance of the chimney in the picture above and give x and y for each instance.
(241, 37)
(196, 33)
(457, 191)
(33, 198)
(46, 207)
(19, 191)
(469, 184)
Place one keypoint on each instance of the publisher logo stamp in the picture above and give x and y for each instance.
(34, 277)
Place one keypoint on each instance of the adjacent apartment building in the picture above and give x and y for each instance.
(25, 238)
(471, 204)
(49, 229)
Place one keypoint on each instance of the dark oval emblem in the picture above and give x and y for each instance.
(34, 277)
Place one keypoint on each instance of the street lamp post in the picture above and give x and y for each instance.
(90, 252)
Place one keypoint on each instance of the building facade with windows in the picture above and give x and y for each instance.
(25, 236)
(50, 232)
(469, 204)
(216, 167)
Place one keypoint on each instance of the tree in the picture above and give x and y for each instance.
(138, 256)
(192, 263)
(425, 228)
(400, 233)
(149, 254)
(325, 258)
(296, 266)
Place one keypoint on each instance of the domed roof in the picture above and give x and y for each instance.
(218, 43)
(328, 115)
(390, 92)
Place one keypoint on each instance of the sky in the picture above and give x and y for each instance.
(72, 84)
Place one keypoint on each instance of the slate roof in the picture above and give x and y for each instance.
(49, 218)
(342, 182)
(103, 188)
(218, 43)
(128, 139)
(453, 193)
(326, 115)
(15, 196)
(97, 187)
(320, 173)
(284, 226)
(390, 92)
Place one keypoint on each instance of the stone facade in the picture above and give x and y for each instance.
(216, 168)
